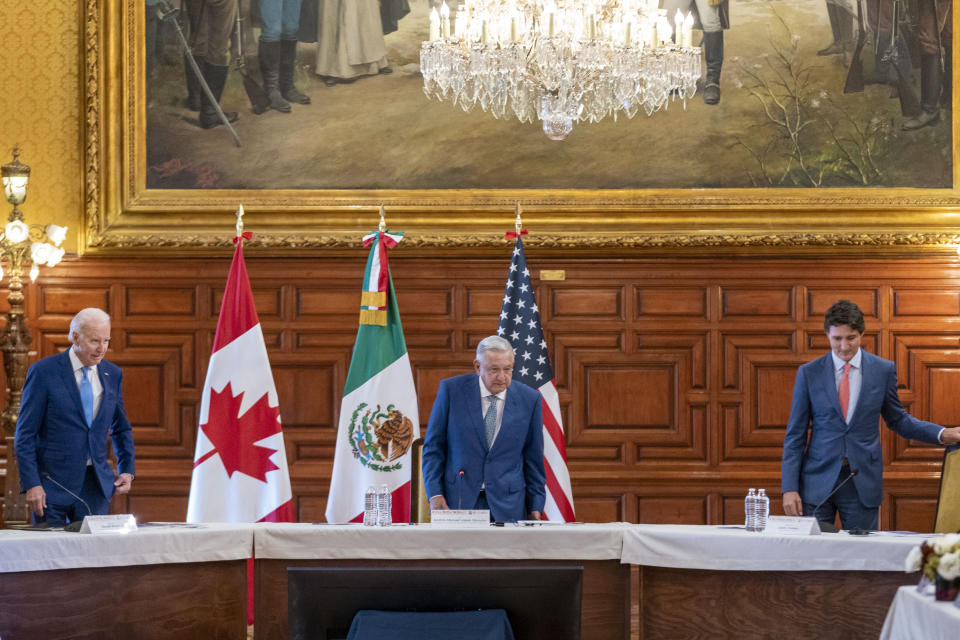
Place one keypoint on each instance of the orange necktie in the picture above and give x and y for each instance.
(844, 390)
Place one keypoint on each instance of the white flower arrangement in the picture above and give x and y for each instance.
(940, 556)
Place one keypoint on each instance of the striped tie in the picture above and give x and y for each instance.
(490, 420)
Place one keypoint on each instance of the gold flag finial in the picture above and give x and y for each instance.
(239, 220)
(383, 221)
(519, 222)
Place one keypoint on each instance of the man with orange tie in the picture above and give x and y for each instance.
(838, 400)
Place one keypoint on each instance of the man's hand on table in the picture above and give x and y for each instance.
(792, 505)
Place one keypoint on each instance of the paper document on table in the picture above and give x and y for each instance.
(792, 526)
(460, 517)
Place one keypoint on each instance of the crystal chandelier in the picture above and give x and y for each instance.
(560, 61)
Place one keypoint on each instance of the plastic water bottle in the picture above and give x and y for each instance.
(763, 509)
(384, 506)
(750, 510)
(370, 506)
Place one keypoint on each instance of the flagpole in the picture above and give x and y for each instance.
(239, 223)
(518, 224)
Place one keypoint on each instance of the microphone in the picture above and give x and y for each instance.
(828, 527)
(75, 525)
(460, 476)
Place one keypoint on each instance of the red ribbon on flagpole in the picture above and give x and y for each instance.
(246, 236)
(385, 242)
(510, 235)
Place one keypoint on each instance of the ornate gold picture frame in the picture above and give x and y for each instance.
(123, 215)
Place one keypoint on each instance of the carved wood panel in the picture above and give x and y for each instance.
(674, 375)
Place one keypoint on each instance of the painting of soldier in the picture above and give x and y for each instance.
(328, 94)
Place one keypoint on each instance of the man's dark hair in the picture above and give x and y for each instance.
(844, 312)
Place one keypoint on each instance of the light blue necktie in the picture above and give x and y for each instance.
(490, 420)
(86, 395)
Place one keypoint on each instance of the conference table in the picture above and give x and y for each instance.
(189, 581)
(917, 615)
(725, 582)
(158, 582)
(596, 547)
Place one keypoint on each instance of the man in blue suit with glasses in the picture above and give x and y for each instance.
(71, 402)
(832, 443)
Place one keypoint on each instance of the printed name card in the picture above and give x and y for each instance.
(792, 526)
(460, 518)
(116, 523)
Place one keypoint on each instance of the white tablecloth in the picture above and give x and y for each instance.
(414, 542)
(914, 616)
(45, 550)
(727, 548)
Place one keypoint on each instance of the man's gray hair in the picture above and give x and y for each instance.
(85, 317)
(493, 343)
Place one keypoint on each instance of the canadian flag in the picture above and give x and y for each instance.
(240, 468)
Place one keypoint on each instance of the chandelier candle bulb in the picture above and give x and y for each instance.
(460, 24)
(434, 25)
(678, 27)
(445, 20)
(664, 31)
(688, 30)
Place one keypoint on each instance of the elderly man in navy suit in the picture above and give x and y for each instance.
(838, 400)
(71, 402)
(484, 443)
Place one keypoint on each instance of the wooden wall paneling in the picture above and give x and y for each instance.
(820, 299)
(672, 509)
(595, 506)
(689, 603)
(925, 303)
(908, 505)
(672, 302)
(757, 301)
(674, 374)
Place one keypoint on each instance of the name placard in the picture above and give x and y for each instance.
(116, 523)
(460, 517)
(792, 526)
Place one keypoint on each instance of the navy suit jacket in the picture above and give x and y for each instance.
(812, 468)
(512, 469)
(52, 435)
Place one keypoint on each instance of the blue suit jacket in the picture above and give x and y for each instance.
(512, 469)
(52, 435)
(813, 467)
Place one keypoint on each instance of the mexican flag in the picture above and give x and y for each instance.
(378, 415)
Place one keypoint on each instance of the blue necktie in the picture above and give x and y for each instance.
(86, 396)
(490, 420)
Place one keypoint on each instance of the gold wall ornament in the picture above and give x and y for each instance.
(123, 216)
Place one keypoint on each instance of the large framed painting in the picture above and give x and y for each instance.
(793, 157)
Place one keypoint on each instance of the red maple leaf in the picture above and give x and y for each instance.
(233, 435)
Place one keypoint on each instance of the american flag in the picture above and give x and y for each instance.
(520, 324)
